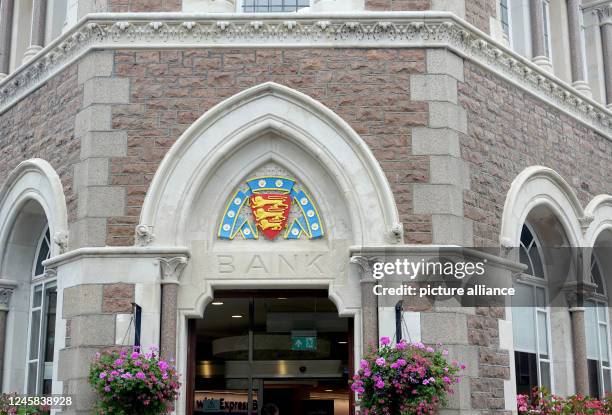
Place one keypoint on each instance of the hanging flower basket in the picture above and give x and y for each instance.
(134, 383)
(405, 379)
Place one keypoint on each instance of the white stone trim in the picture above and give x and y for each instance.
(233, 123)
(34, 179)
(288, 30)
(534, 186)
(599, 210)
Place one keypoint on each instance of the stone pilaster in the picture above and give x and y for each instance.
(442, 196)
(39, 22)
(538, 45)
(369, 302)
(579, 79)
(171, 270)
(605, 22)
(6, 28)
(6, 290)
(97, 199)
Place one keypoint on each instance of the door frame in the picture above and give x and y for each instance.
(265, 293)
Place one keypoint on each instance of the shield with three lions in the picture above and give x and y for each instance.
(271, 212)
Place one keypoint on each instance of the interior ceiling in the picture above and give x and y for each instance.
(218, 320)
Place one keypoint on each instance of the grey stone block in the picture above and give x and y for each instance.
(97, 63)
(104, 144)
(437, 198)
(101, 201)
(91, 172)
(93, 330)
(452, 230)
(467, 355)
(74, 362)
(106, 91)
(435, 141)
(443, 61)
(449, 170)
(433, 88)
(445, 328)
(460, 400)
(447, 115)
(87, 232)
(83, 394)
(93, 118)
(82, 299)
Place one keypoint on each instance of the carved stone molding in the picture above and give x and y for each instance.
(144, 235)
(171, 269)
(61, 240)
(363, 30)
(6, 290)
(605, 14)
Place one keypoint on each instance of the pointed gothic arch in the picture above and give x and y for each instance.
(294, 118)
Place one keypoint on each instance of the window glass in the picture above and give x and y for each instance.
(503, 7)
(530, 253)
(546, 28)
(42, 254)
(267, 6)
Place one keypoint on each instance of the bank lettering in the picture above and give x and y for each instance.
(272, 264)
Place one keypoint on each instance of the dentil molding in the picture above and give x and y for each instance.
(301, 30)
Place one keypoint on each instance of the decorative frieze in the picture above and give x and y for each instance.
(390, 29)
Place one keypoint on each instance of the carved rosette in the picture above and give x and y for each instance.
(171, 269)
(6, 290)
(143, 235)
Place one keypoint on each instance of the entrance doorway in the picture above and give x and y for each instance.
(258, 352)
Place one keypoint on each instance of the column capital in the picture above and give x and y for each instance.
(171, 269)
(6, 290)
(604, 13)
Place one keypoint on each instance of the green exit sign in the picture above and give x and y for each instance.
(304, 343)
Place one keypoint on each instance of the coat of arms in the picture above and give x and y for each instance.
(276, 205)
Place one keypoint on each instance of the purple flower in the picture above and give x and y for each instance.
(380, 384)
(430, 350)
(446, 379)
(118, 362)
(364, 363)
(401, 345)
(127, 376)
(102, 375)
(162, 365)
(385, 341)
(140, 375)
(107, 389)
(401, 362)
(380, 361)
(135, 355)
(426, 382)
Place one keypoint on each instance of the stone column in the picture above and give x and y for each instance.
(6, 290)
(369, 303)
(171, 269)
(605, 23)
(538, 47)
(6, 28)
(37, 37)
(581, 370)
(576, 44)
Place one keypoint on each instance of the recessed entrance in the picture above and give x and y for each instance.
(256, 352)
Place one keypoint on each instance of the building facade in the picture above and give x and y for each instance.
(130, 135)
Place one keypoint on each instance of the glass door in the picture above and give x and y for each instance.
(270, 353)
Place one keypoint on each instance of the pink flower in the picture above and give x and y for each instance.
(135, 355)
(385, 341)
(162, 365)
(380, 361)
(401, 345)
(118, 362)
(364, 363)
(140, 375)
(102, 375)
(380, 384)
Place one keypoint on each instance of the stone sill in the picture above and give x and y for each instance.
(301, 30)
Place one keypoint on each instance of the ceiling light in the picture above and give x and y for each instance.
(281, 298)
(342, 342)
(217, 303)
(236, 316)
(329, 390)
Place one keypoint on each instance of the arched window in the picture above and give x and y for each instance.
(43, 303)
(531, 319)
(598, 335)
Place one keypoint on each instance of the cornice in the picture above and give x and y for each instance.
(301, 30)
